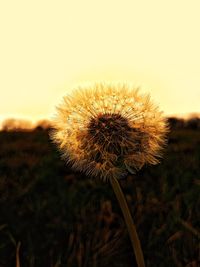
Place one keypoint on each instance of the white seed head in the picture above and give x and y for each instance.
(107, 130)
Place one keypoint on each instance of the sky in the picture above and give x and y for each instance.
(48, 47)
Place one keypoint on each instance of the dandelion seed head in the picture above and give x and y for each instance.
(109, 130)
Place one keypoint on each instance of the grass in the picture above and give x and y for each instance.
(54, 217)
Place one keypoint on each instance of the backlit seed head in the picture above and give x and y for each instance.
(109, 130)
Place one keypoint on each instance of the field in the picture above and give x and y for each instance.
(51, 216)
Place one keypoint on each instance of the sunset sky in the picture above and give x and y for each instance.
(48, 47)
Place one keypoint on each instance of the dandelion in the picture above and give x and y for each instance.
(107, 131)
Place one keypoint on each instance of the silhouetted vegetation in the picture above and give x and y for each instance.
(24, 125)
(179, 123)
(54, 217)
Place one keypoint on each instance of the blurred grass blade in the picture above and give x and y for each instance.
(190, 228)
(2, 226)
(17, 254)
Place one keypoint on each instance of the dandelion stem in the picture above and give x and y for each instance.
(129, 222)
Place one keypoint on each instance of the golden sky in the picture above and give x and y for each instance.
(47, 47)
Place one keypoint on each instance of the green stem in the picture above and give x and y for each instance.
(129, 222)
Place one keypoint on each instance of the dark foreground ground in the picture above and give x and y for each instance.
(53, 217)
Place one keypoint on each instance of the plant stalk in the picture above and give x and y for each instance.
(129, 222)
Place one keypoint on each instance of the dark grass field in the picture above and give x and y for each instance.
(51, 216)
